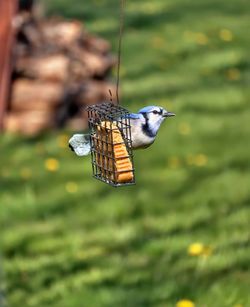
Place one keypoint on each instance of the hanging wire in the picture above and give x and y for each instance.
(122, 6)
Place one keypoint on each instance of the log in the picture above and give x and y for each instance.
(62, 33)
(35, 105)
(96, 64)
(97, 45)
(78, 71)
(48, 67)
(28, 123)
(30, 35)
(25, 90)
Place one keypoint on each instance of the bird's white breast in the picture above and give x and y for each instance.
(139, 139)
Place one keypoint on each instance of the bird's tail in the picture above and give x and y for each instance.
(80, 144)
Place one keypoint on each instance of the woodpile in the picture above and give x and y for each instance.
(59, 69)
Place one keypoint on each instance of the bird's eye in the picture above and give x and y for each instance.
(155, 112)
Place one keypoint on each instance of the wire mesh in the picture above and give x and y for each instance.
(111, 145)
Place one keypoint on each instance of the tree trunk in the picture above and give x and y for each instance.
(7, 12)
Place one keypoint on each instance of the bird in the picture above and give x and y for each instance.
(144, 128)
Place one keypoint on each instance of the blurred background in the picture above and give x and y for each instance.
(180, 237)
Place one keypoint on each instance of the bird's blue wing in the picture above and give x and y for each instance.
(134, 116)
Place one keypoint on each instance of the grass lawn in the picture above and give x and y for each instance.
(68, 240)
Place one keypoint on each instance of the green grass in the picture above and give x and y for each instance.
(102, 246)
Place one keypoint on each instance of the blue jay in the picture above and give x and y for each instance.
(144, 127)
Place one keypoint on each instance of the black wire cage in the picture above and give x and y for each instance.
(111, 144)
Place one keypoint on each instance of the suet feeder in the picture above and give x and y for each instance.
(111, 144)
(110, 135)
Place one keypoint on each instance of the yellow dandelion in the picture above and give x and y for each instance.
(185, 303)
(201, 38)
(200, 160)
(63, 140)
(184, 128)
(226, 35)
(25, 173)
(71, 187)
(51, 164)
(174, 162)
(233, 74)
(238, 305)
(195, 249)
(199, 249)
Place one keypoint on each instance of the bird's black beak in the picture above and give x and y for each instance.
(168, 114)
